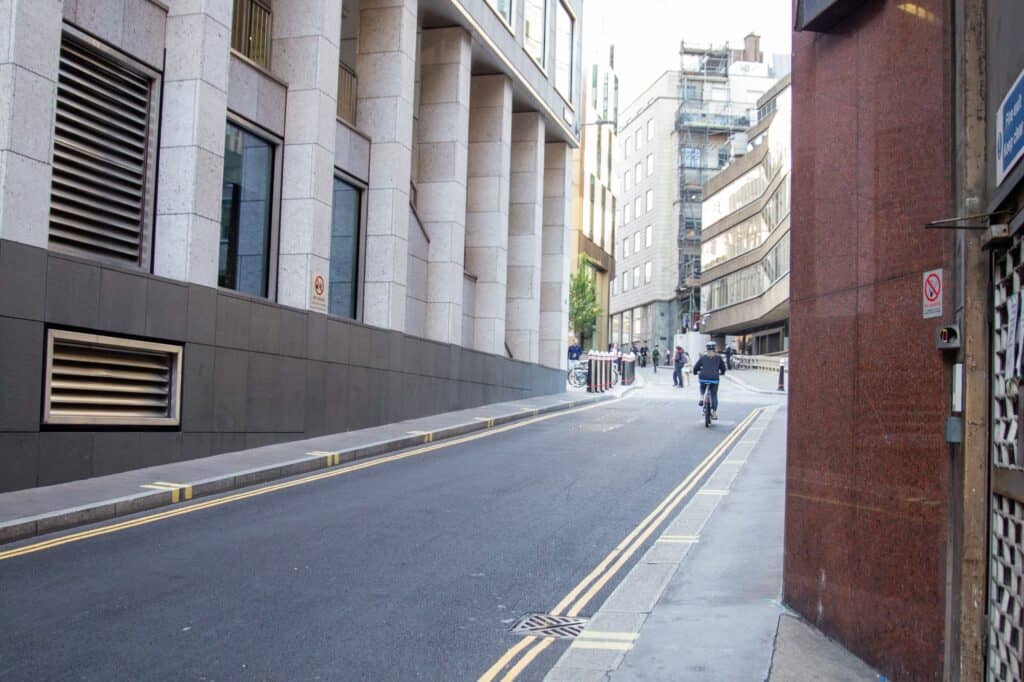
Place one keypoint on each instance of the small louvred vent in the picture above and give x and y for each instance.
(98, 380)
(102, 145)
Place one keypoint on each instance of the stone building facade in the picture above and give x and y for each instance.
(227, 223)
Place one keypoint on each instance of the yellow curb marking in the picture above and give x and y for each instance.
(600, 634)
(607, 646)
(178, 491)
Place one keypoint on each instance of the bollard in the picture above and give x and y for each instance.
(606, 371)
(782, 375)
(591, 386)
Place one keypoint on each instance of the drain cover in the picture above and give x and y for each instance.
(544, 625)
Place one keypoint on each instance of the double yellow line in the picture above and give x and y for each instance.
(153, 518)
(590, 586)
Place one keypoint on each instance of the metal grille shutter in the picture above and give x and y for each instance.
(94, 379)
(101, 149)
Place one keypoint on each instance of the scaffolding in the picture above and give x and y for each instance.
(705, 121)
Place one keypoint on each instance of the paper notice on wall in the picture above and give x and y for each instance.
(318, 293)
(1012, 334)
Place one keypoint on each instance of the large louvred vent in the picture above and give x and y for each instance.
(102, 145)
(92, 379)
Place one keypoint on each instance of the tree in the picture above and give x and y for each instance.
(583, 306)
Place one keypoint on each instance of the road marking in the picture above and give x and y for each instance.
(507, 657)
(274, 487)
(330, 458)
(711, 491)
(428, 436)
(678, 539)
(178, 491)
(606, 646)
(618, 557)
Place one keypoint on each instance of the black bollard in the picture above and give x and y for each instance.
(782, 375)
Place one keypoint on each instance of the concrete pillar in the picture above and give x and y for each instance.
(195, 100)
(385, 65)
(29, 57)
(443, 138)
(304, 53)
(490, 152)
(554, 288)
(525, 225)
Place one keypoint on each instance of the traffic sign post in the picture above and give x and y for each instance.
(931, 294)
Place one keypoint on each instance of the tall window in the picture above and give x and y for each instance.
(627, 180)
(625, 282)
(636, 242)
(639, 138)
(246, 199)
(650, 165)
(625, 247)
(503, 8)
(625, 215)
(636, 278)
(535, 39)
(564, 36)
(650, 130)
(650, 200)
(639, 172)
(648, 272)
(638, 207)
(648, 236)
(250, 30)
(344, 271)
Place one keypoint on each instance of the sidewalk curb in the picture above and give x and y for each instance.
(105, 510)
(749, 387)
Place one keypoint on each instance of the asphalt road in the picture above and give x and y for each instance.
(412, 570)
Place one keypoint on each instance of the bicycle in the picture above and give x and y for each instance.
(706, 400)
(578, 375)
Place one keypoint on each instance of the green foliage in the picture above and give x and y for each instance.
(583, 306)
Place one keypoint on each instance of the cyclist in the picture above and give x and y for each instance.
(709, 368)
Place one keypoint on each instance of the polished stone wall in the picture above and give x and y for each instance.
(868, 465)
(255, 372)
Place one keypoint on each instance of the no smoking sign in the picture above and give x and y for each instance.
(931, 294)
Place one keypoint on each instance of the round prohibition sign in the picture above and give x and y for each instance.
(932, 288)
(319, 285)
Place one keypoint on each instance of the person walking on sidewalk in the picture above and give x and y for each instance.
(710, 368)
(656, 355)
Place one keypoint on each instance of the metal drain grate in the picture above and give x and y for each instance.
(544, 625)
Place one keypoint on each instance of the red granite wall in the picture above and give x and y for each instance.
(867, 482)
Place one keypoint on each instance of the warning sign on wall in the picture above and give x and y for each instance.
(931, 294)
(318, 296)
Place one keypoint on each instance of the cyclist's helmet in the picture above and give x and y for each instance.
(711, 345)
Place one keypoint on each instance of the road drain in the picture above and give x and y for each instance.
(544, 625)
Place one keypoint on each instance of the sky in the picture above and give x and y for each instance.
(646, 33)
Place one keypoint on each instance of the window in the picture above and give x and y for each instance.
(625, 247)
(625, 282)
(649, 236)
(503, 8)
(600, 140)
(343, 281)
(649, 200)
(627, 180)
(638, 172)
(636, 277)
(250, 30)
(625, 146)
(639, 138)
(638, 207)
(564, 41)
(636, 242)
(650, 165)
(245, 212)
(691, 157)
(723, 156)
(648, 272)
(103, 144)
(615, 285)
(535, 14)
(650, 130)
(625, 214)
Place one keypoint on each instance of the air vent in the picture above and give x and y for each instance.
(102, 145)
(108, 380)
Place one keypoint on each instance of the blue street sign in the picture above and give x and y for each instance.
(1010, 130)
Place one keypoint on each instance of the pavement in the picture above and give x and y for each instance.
(416, 561)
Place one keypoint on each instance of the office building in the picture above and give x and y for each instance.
(230, 223)
(745, 234)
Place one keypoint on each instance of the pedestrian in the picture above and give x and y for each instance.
(677, 366)
(656, 355)
(644, 350)
(729, 352)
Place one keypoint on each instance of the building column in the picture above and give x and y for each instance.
(554, 288)
(386, 66)
(525, 225)
(304, 53)
(490, 153)
(442, 143)
(194, 112)
(29, 58)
